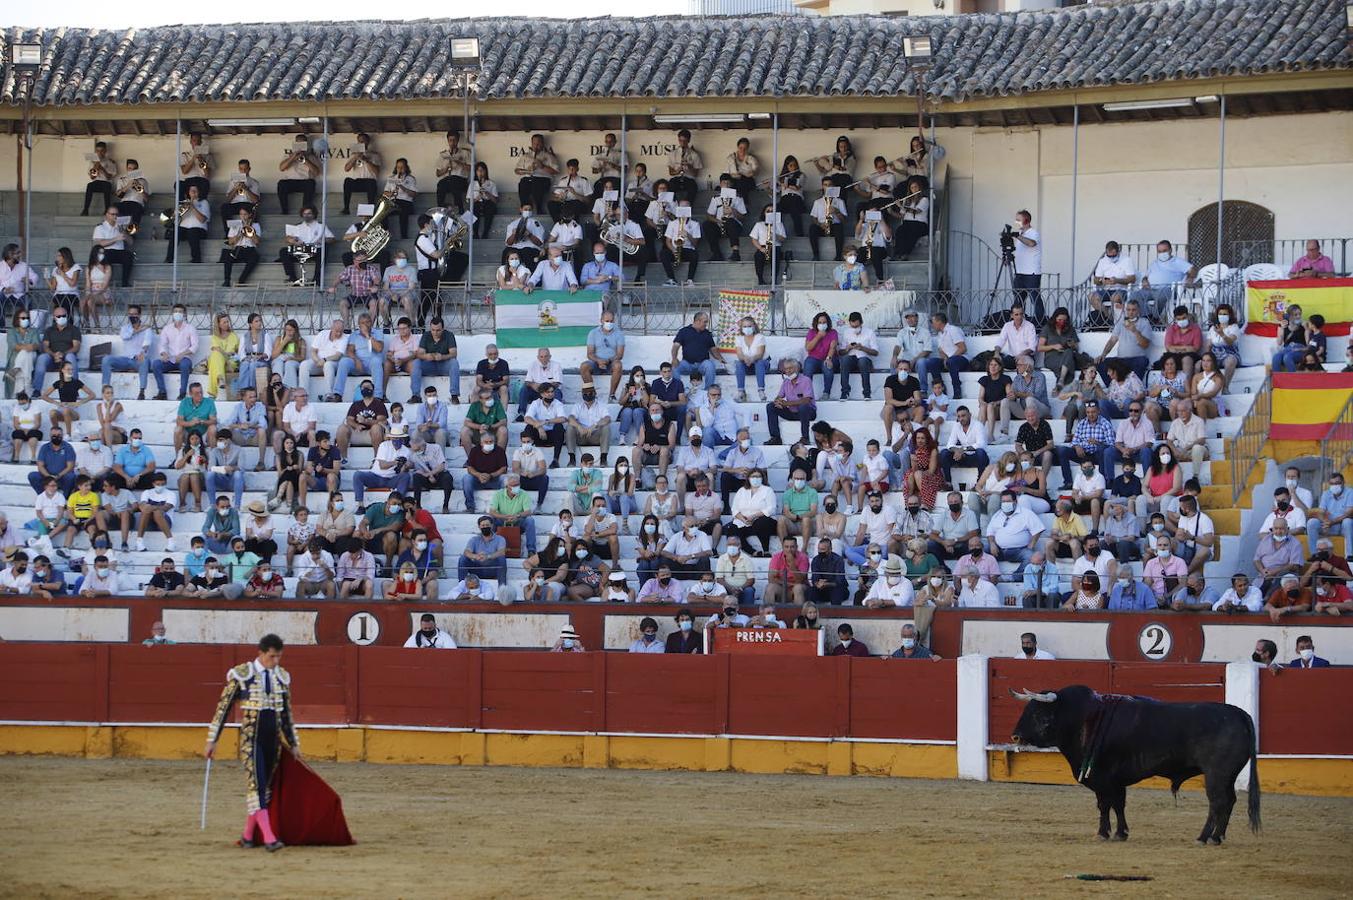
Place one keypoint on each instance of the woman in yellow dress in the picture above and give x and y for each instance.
(223, 357)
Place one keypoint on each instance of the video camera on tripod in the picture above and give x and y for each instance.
(1008, 244)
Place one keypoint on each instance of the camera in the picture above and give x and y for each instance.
(1007, 241)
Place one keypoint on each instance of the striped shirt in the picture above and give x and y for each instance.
(363, 281)
(1089, 434)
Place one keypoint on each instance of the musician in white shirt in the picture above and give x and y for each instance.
(838, 167)
(640, 191)
(567, 235)
(483, 197)
(102, 170)
(657, 213)
(113, 238)
(453, 173)
(829, 220)
(743, 167)
(790, 183)
(877, 186)
(725, 220)
(525, 237)
(191, 218)
(132, 193)
(537, 170)
(512, 275)
(569, 192)
(553, 274)
(761, 239)
(631, 236)
(195, 168)
(684, 227)
(298, 167)
(310, 234)
(915, 222)
(873, 236)
(363, 166)
(429, 268)
(244, 193)
(606, 164)
(242, 241)
(683, 167)
(402, 187)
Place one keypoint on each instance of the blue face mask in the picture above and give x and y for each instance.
(686, 625)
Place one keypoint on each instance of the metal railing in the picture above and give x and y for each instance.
(1247, 447)
(1336, 447)
(1285, 252)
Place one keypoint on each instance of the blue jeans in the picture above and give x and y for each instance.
(219, 484)
(760, 367)
(184, 367)
(1112, 459)
(707, 369)
(215, 546)
(631, 421)
(746, 596)
(495, 569)
(423, 368)
(113, 364)
(246, 379)
(1019, 555)
(932, 368)
(974, 459)
(1026, 289)
(372, 366)
(1110, 410)
(856, 555)
(1314, 528)
(528, 534)
(852, 364)
(898, 464)
(65, 484)
(469, 484)
(46, 362)
(814, 366)
(368, 479)
(1068, 452)
(622, 504)
(1285, 360)
(804, 415)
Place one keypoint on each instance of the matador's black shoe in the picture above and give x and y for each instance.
(246, 844)
(274, 846)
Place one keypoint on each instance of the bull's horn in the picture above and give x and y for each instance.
(1047, 697)
(1020, 695)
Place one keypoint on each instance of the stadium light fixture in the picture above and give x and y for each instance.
(25, 59)
(699, 118)
(918, 50)
(249, 123)
(1135, 105)
(464, 52)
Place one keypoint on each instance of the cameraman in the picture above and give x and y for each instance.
(1028, 266)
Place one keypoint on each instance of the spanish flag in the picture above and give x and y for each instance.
(1267, 303)
(1305, 404)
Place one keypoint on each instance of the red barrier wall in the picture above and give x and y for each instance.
(1306, 711)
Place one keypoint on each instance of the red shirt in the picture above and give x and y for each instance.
(777, 564)
(405, 588)
(421, 519)
(857, 648)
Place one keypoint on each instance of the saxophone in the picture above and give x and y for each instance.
(826, 221)
(678, 244)
(722, 217)
(870, 228)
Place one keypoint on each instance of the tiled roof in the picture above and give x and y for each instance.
(976, 55)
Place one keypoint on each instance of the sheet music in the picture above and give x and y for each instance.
(831, 193)
(728, 193)
(610, 196)
(666, 197)
(123, 221)
(366, 209)
(235, 226)
(238, 178)
(873, 215)
(294, 231)
(683, 212)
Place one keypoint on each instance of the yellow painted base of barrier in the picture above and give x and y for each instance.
(1310, 776)
(468, 748)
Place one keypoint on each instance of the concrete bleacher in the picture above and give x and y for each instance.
(856, 417)
(63, 226)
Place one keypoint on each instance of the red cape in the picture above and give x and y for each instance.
(304, 809)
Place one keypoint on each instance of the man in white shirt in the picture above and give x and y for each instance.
(327, 349)
(1187, 437)
(1028, 648)
(950, 353)
(893, 589)
(589, 423)
(1284, 510)
(17, 579)
(685, 230)
(473, 589)
(735, 572)
(1087, 492)
(1194, 534)
(545, 421)
(760, 235)
(302, 245)
(823, 226)
(429, 635)
(692, 460)
(858, 347)
(684, 166)
(242, 239)
(876, 525)
(1241, 596)
(914, 343)
(978, 593)
(553, 274)
(542, 370)
(525, 236)
(315, 572)
(389, 467)
(1114, 274)
(113, 238)
(1028, 264)
(965, 447)
(688, 552)
(298, 421)
(191, 225)
(1018, 338)
(1095, 559)
(1013, 532)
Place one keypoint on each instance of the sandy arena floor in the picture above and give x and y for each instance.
(125, 828)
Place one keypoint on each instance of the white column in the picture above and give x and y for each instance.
(1242, 689)
(972, 718)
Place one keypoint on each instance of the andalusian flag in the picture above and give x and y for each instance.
(545, 318)
(1305, 404)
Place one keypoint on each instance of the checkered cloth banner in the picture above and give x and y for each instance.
(734, 306)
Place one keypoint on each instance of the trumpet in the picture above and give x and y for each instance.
(202, 164)
(95, 171)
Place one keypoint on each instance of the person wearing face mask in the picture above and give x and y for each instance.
(16, 578)
(798, 510)
(398, 290)
(429, 635)
(911, 647)
(470, 589)
(568, 642)
(485, 554)
(1283, 510)
(744, 458)
(588, 422)
(389, 466)
(553, 273)
(688, 552)
(686, 638)
(1162, 280)
(851, 275)
(649, 642)
(735, 572)
(795, 402)
(1029, 649)
(510, 507)
(1288, 597)
(892, 589)
(102, 581)
(379, 527)
(1042, 584)
(1306, 658)
(847, 644)
(47, 583)
(1013, 532)
(1223, 339)
(587, 574)
(1183, 341)
(827, 576)
(1164, 572)
(753, 510)
(1112, 278)
(265, 585)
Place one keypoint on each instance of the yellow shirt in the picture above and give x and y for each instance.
(1072, 529)
(83, 505)
(228, 345)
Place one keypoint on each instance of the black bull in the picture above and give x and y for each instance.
(1111, 741)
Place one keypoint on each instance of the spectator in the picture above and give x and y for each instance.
(664, 504)
(158, 636)
(734, 571)
(1090, 438)
(602, 531)
(486, 417)
(992, 404)
(893, 589)
(336, 525)
(1240, 597)
(857, 348)
(953, 529)
(648, 638)
(1164, 572)
(470, 589)
(820, 352)
(705, 590)
(1086, 595)
(1324, 564)
(657, 441)
(436, 355)
(1335, 513)
(389, 467)
(978, 593)
(976, 560)
(1042, 584)
(1183, 342)
(1266, 654)
(156, 502)
(950, 354)
(847, 644)
(1332, 596)
(1284, 510)
(1131, 594)
(669, 393)
(684, 639)
(102, 581)
(543, 370)
(1028, 648)
(1293, 337)
(1013, 533)
(431, 418)
(1114, 274)
(1313, 265)
(429, 635)
(1080, 391)
(911, 647)
(568, 641)
(378, 528)
(16, 579)
(902, 397)
(662, 588)
(1133, 440)
(1163, 278)
(299, 535)
(589, 423)
(1207, 386)
(850, 275)
(965, 447)
(827, 576)
(1288, 598)
(1195, 595)
(165, 583)
(1306, 658)
(794, 402)
(177, 346)
(60, 342)
(258, 531)
(1194, 534)
(65, 396)
(704, 507)
(298, 420)
(316, 573)
(1087, 492)
(26, 424)
(697, 348)
(55, 460)
(511, 507)
(1187, 437)
(356, 574)
(788, 574)
(754, 510)
(807, 617)
(1276, 555)
(1164, 483)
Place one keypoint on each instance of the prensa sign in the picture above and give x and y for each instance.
(764, 641)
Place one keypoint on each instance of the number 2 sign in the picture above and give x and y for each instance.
(1155, 641)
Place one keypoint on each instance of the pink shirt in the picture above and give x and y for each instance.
(799, 387)
(1308, 266)
(178, 341)
(401, 349)
(1155, 573)
(829, 338)
(1179, 337)
(777, 563)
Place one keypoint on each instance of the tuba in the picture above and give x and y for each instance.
(615, 236)
(373, 238)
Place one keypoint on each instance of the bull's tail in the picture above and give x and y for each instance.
(1254, 777)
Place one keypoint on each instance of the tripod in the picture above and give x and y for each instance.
(996, 318)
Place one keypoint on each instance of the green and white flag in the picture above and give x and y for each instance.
(545, 318)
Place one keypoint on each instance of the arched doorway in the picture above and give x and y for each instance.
(1247, 234)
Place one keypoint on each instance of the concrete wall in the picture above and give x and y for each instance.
(1137, 182)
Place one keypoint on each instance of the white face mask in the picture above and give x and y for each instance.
(408, 576)
(513, 263)
(744, 443)
(1010, 467)
(266, 576)
(908, 643)
(178, 317)
(1306, 653)
(746, 329)
(102, 572)
(1291, 484)
(1182, 323)
(755, 481)
(846, 642)
(799, 483)
(1163, 553)
(1223, 319)
(581, 553)
(1336, 489)
(734, 551)
(1166, 458)
(599, 257)
(1007, 506)
(850, 259)
(1163, 257)
(650, 528)
(605, 326)
(822, 326)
